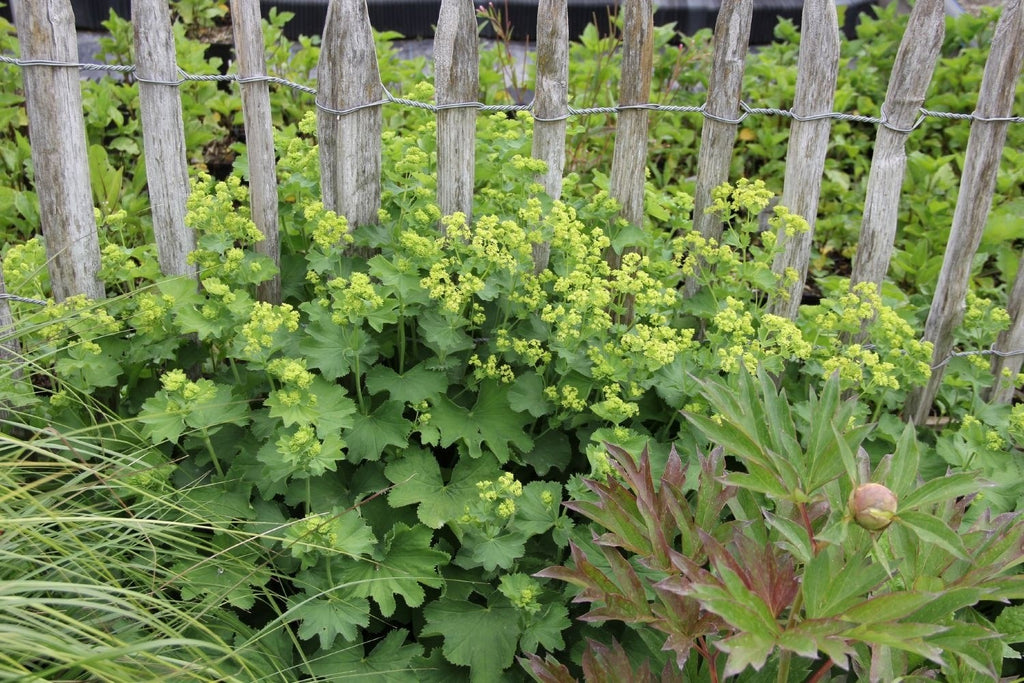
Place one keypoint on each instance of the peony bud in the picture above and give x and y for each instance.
(873, 506)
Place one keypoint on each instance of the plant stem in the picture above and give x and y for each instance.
(820, 673)
(212, 452)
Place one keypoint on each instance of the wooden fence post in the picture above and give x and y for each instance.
(259, 136)
(911, 74)
(457, 81)
(551, 103)
(56, 127)
(981, 165)
(817, 71)
(629, 157)
(1011, 339)
(163, 134)
(718, 134)
(348, 80)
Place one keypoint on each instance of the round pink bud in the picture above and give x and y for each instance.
(873, 506)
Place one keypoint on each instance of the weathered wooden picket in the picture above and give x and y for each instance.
(350, 97)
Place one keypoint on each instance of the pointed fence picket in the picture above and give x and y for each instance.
(350, 97)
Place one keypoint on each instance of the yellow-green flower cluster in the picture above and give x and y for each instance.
(25, 272)
(329, 229)
(77, 316)
(500, 495)
(295, 380)
(747, 196)
(894, 359)
(693, 251)
(183, 393)
(529, 351)
(523, 591)
(566, 396)
(785, 222)
(1016, 424)
(354, 298)
(301, 448)
(265, 321)
(491, 369)
(614, 408)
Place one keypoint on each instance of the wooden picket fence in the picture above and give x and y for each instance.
(350, 97)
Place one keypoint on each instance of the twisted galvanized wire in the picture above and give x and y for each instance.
(571, 112)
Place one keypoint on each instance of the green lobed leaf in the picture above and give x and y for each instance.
(328, 617)
(390, 661)
(371, 434)
(413, 386)
(490, 421)
(481, 637)
(417, 480)
(407, 562)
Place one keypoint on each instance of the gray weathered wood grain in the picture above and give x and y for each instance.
(456, 80)
(1009, 340)
(718, 135)
(977, 185)
(817, 71)
(350, 143)
(163, 134)
(908, 84)
(629, 156)
(551, 103)
(259, 136)
(56, 130)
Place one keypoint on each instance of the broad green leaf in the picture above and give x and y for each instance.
(933, 530)
(490, 421)
(482, 638)
(885, 607)
(942, 489)
(544, 629)
(527, 395)
(794, 534)
(442, 334)
(371, 434)
(335, 349)
(329, 616)
(390, 661)
(417, 480)
(499, 548)
(905, 464)
(414, 385)
(746, 649)
(408, 562)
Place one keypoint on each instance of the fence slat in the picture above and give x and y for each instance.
(1011, 339)
(817, 71)
(350, 143)
(56, 127)
(629, 156)
(977, 186)
(163, 134)
(717, 137)
(456, 80)
(259, 137)
(551, 102)
(908, 85)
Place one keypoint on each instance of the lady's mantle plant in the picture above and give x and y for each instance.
(401, 431)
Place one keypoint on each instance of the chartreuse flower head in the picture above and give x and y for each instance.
(873, 506)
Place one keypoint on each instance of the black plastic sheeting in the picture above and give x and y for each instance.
(417, 18)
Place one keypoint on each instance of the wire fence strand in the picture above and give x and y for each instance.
(571, 112)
